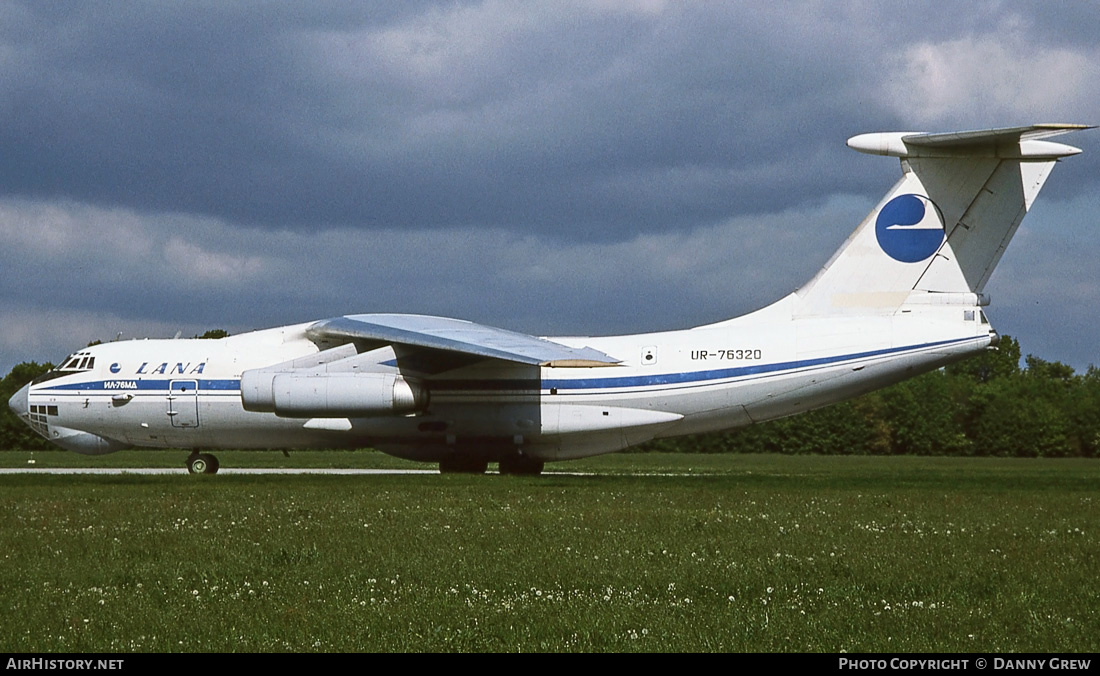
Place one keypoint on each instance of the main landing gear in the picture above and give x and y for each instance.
(520, 465)
(202, 463)
(513, 463)
(462, 464)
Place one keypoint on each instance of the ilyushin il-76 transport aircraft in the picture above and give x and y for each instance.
(902, 296)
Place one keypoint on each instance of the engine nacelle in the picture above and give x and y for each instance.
(330, 395)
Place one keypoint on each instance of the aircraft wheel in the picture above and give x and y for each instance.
(462, 465)
(520, 465)
(202, 463)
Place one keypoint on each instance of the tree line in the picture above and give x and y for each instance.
(984, 406)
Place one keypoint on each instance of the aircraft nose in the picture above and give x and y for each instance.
(18, 401)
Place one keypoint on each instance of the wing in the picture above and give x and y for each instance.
(456, 336)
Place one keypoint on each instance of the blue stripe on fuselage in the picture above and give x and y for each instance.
(123, 384)
(529, 385)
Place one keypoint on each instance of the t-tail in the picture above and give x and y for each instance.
(937, 235)
(904, 294)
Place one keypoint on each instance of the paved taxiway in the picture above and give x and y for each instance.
(225, 470)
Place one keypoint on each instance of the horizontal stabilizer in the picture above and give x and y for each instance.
(457, 336)
(1006, 142)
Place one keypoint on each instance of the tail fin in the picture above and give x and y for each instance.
(940, 231)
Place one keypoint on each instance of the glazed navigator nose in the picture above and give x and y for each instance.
(18, 401)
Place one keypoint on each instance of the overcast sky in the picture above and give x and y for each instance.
(556, 168)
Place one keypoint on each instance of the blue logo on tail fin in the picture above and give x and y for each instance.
(909, 229)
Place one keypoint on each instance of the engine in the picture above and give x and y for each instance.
(331, 395)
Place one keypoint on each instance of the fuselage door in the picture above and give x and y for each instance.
(183, 403)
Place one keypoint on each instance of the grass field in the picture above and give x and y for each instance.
(736, 553)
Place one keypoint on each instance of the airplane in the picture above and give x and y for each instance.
(902, 296)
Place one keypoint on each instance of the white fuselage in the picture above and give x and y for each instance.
(766, 365)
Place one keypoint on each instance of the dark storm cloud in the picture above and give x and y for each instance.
(581, 120)
(561, 121)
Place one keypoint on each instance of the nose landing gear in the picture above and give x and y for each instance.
(202, 463)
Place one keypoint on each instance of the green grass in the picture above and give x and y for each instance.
(747, 553)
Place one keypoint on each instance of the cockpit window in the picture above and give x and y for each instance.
(81, 361)
(74, 363)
